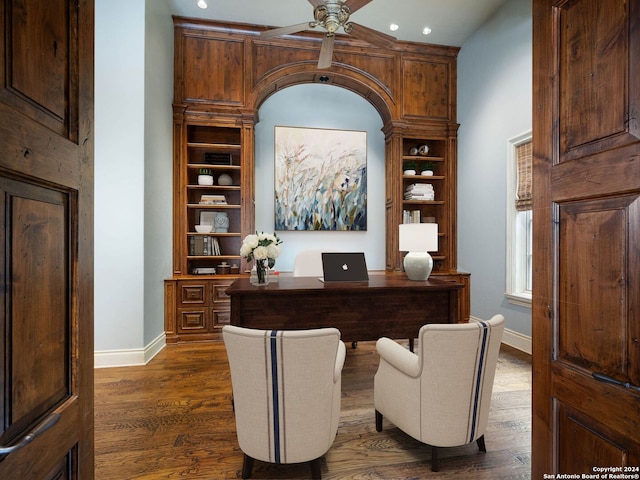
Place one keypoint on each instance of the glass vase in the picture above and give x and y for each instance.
(262, 273)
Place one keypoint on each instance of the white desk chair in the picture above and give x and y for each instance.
(308, 263)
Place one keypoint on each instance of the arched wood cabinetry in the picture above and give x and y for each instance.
(223, 73)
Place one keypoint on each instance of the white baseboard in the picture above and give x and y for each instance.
(129, 357)
(515, 339)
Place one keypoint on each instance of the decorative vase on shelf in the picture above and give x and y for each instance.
(262, 273)
(221, 222)
(205, 180)
(423, 150)
(225, 180)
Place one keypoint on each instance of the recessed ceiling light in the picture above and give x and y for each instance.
(426, 31)
(393, 27)
(202, 4)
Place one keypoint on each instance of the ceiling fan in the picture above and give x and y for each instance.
(331, 15)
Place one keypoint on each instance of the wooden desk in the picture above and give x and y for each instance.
(388, 305)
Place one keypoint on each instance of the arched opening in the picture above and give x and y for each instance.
(342, 76)
(323, 107)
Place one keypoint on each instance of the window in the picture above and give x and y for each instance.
(519, 220)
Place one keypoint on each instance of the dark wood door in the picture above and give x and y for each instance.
(586, 311)
(46, 255)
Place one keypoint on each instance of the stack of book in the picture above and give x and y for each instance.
(204, 245)
(213, 200)
(419, 191)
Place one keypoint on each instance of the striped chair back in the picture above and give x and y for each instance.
(458, 369)
(286, 391)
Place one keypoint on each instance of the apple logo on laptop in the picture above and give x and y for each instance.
(345, 267)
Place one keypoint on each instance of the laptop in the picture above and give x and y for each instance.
(344, 267)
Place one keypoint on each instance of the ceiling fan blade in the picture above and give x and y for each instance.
(316, 3)
(277, 32)
(371, 36)
(355, 5)
(326, 51)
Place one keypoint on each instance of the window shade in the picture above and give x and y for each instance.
(524, 191)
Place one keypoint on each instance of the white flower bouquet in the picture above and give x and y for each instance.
(261, 246)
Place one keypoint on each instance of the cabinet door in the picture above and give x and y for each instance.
(193, 320)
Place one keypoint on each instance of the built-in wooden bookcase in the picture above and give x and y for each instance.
(223, 73)
(218, 152)
(206, 263)
(424, 208)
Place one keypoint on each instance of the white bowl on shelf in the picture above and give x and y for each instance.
(204, 228)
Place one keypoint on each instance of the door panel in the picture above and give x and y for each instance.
(46, 241)
(36, 246)
(595, 67)
(41, 42)
(586, 305)
(595, 323)
(584, 443)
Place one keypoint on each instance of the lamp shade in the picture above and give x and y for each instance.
(418, 237)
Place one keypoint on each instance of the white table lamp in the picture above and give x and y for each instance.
(418, 239)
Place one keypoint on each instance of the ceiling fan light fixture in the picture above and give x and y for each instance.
(331, 15)
(393, 27)
(426, 31)
(202, 4)
(331, 25)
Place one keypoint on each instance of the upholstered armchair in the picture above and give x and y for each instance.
(286, 393)
(441, 394)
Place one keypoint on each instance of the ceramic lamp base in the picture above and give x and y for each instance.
(418, 265)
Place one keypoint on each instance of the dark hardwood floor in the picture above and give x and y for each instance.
(173, 419)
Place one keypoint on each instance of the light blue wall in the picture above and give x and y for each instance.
(133, 170)
(494, 105)
(322, 106)
(119, 174)
(158, 164)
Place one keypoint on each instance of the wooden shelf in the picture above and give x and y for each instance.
(215, 187)
(197, 166)
(216, 206)
(424, 177)
(423, 202)
(214, 146)
(421, 158)
(213, 257)
(214, 234)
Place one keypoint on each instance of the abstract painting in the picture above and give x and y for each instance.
(320, 179)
